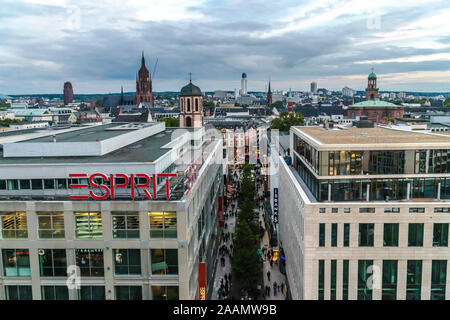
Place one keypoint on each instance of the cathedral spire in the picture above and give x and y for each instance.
(143, 59)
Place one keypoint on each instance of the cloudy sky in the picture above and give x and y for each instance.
(97, 44)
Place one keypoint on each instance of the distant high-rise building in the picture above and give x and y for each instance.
(244, 84)
(269, 96)
(372, 90)
(348, 92)
(314, 87)
(144, 92)
(68, 93)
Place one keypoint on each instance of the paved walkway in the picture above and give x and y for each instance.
(275, 274)
(226, 270)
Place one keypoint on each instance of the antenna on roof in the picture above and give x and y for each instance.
(190, 76)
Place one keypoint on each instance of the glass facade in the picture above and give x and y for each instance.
(88, 225)
(54, 293)
(51, 225)
(90, 262)
(165, 292)
(125, 225)
(333, 266)
(415, 235)
(163, 224)
(127, 261)
(364, 287)
(128, 292)
(438, 279)
(414, 280)
(16, 262)
(91, 293)
(366, 234)
(164, 261)
(18, 293)
(390, 235)
(440, 235)
(389, 289)
(14, 225)
(52, 262)
(321, 285)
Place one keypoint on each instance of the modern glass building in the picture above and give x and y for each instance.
(125, 245)
(364, 214)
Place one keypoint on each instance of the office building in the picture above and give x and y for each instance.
(134, 206)
(363, 214)
(68, 93)
(314, 87)
(244, 84)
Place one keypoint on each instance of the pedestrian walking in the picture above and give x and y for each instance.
(271, 263)
(268, 275)
(282, 287)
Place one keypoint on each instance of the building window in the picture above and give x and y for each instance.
(346, 210)
(196, 104)
(321, 279)
(165, 292)
(14, 225)
(391, 210)
(25, 184)
(438, 279)
(188, 100)
(36, 184)
(125, 225)
(88, 225)
(16, 262)
(13, 184)
(414, 280)
(364, 290)
(389, 291)
(49, 184)
(91, 293)
(61, 184)
(333, 280)
(322, 235)
(346, 234)
(390, 235)
(164, 261)
(416, 210)
(366, 210)
(127, 261)
(441, 210)
(2, 184)
(334, 210)
(128, 292)
(90, 262)
(18, 293)
(415, 235)
(345, 270)
(52, 262)
(163, 224)
(440, 235)
(334, 230)
(55, 293)
(366, 234)
(51, 225)
(322, 210)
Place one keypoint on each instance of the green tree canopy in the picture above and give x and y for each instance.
(170, 122)
(286, 120)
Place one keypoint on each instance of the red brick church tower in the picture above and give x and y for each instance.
(144, 91)
(372, 90)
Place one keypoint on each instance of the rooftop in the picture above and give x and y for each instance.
(377, 138)
(375, 103)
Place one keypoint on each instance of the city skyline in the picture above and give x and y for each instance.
(334, 43)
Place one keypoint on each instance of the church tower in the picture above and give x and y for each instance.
(191, 106)
(269, 96)
(144, 91)
(372, 90)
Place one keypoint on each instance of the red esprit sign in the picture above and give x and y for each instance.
(191, 175)
(129, 181)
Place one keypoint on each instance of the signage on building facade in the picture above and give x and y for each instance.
(109, 185)
(202, 280)
(190, 175)
(275, 205)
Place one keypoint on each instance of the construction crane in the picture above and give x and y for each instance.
(154, 69)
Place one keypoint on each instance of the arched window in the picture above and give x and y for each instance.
(181, 105)
(188, 100)
(196, 104)
(188, 122)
